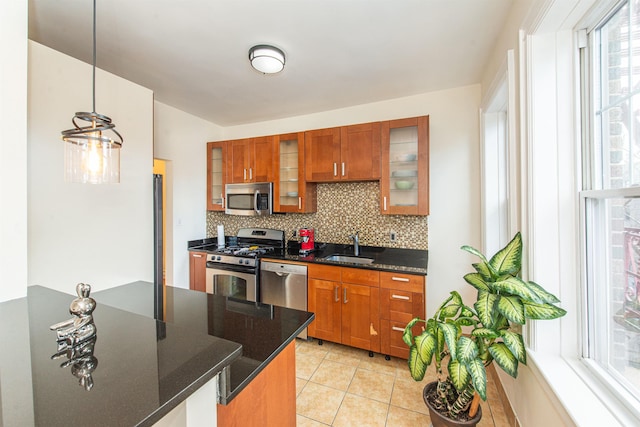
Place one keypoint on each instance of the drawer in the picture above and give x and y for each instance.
(360, 276)
(408, 282)
(324, 272)
(400, 305)
(391, 342)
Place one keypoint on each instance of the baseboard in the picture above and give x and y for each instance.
(506, 405)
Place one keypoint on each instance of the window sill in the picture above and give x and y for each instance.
(585, 399)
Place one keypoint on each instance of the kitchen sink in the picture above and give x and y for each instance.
(347, 258)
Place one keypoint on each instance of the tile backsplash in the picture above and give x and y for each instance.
(342, 209)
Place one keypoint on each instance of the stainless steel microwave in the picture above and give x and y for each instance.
(249, 199)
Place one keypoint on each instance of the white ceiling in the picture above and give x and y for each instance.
(193, 54)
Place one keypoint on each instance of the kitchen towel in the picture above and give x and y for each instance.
(221, 236)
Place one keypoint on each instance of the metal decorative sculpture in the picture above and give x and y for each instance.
(77, 337)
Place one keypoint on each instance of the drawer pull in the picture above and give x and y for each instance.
(196, 256)
(404, 297)
(400, 279)
(396, 328)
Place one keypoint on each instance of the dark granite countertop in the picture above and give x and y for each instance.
(145, 367)
(263, 330)
(412, 261)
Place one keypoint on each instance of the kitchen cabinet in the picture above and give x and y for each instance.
(346, 304)
(198, 271)
(404, 185)
(291, 192)
(216, 175)
(251, 160)
(347, 153)
(401, 299)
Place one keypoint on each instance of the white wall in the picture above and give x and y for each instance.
(180, 138)
(98, 234)
(455, 172)
(13, 150)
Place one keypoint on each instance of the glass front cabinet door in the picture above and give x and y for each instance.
(404, 185)
(291, 192)
(216, 175)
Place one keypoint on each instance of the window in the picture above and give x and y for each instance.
(611, 199)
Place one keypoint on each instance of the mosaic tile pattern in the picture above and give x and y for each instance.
(342, 209)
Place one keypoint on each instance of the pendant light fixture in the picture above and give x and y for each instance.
(90, 154)
(266, 59)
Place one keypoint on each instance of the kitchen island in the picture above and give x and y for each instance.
(142, 368)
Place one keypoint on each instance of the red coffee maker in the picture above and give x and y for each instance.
(306, 240)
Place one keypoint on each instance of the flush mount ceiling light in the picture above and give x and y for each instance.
(90, 154)
(266, 59)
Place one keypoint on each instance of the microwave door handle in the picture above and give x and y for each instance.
(255, 202)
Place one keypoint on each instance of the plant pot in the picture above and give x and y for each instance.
(439, 420)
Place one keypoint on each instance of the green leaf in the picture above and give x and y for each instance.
(485, 306)
(504, 358)
(512, 308)
(451, 332)
(407, 335)
(542, 311)
(458, 374)
(417, 367)
(467, 312)
(485, 333)
(456, 298)
(515, 286)
(483, 269)
(465, 321)
(476, 280)
(508, 259)
(467, 349)
(515, 343)
(478, 377)
(542, 293)
(475, 252)
(449, 311)
(426, 345)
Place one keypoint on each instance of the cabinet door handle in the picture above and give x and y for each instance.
(196, 256)
(400, 279)
(396, 328)
(345, 295)
(245, 174)
(299, 203)
(342, 168)
(250, 174)
(384, 203)
(222, 198)
(335, 169)
(335, 293)
(403, 297)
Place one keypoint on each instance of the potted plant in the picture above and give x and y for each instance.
(491, 333)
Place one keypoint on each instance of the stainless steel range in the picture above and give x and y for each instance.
(234, 270)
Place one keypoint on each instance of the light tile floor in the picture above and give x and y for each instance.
(342, 386)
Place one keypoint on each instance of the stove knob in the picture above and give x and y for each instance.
(218, 258)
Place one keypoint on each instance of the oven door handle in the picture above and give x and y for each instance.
(230, 267)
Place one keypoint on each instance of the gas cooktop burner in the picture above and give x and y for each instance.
(251, 251)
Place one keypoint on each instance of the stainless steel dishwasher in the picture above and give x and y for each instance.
(284, 285)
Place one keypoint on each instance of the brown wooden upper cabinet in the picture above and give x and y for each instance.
(291, 191)
(251, 159)
(347, 153)
(404, 185)
(216, 175)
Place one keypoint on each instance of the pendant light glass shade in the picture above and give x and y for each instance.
(90, 157)
(92, 147)
(266, 59)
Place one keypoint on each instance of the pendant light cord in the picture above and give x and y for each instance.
(94, 56)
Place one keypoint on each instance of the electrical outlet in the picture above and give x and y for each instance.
(393, 236)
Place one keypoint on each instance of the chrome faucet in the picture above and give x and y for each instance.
(356, 243)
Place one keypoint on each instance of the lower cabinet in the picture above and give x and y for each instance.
(346, 304)
(269, 399)
(198, 271)
(401, 299)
